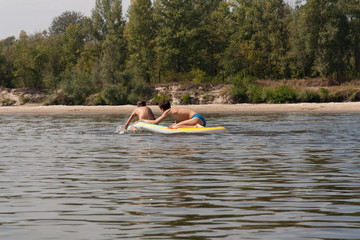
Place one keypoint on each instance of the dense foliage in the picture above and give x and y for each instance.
(106, 58)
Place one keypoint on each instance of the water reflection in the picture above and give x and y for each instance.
(276, 176)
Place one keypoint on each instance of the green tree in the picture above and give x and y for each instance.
(300, 58)
(184, 40)
(37, 61)
(278, 15)
(28, 61)
(7, 61)
(259, 44)
(220, 30)
(2, 67)
(141, 32)
(352, 12)
(61, 23)
(113, 53)
(207, 39)
(174, 34)
(324, 29)
(333, 40)
(108, 27)
(54, 66)
(106, 17)
(72, 43)
(112, 62)
(89, 57)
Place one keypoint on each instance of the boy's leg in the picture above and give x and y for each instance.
(193, 122)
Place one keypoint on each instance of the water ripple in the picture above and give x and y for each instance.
(275, 176)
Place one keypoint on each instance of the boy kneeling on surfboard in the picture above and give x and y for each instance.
(142, 111)
(183, 117)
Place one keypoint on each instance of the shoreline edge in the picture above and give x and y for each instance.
(343, 107)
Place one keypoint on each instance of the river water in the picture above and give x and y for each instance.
(273, 176)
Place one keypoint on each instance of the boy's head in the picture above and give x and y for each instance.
(164, 105)
(141, 103)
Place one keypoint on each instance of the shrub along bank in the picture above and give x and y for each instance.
(248, 90)
(243, 90)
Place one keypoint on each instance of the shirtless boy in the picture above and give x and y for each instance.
(183, 117)
(142, 111)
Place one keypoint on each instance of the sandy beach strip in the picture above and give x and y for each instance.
(346, 107)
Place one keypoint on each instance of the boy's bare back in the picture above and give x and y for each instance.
(144, 113)
(180, 114)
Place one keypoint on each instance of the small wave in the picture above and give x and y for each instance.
(120, 129)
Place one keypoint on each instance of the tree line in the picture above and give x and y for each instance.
(107, 58)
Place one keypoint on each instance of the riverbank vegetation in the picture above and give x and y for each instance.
(107, 58)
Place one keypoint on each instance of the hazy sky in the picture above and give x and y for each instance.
(36, 15)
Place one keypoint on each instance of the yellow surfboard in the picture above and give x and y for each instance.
(165, 130)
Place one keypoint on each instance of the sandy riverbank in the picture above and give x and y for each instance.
(348, 107)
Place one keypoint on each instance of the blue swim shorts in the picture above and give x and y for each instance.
(200, 117)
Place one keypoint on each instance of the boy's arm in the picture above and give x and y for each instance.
(129, 120)
(159, 119)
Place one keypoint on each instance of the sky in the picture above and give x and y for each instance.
(35, 16)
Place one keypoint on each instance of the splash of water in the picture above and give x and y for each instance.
(120, 129)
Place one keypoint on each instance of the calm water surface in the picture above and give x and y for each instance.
(274, 176)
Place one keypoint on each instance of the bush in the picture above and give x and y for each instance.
(186, 99)
(238, 93)
(7, 102)
(158, 98)
(254, 93)
(355, 97)
(324, 94)
(95, 99)
(244, 89)
(207, 98)
(198, 76)
(115, 94)
(59, 99)
(76, 87)
(309, 96)
(336, 97)
(342, 94)
(267, 95)
(281, 94)
(127, 89)
(285, 94)
(139, 90)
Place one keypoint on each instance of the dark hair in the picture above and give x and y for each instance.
(164, 105)
(141, 103)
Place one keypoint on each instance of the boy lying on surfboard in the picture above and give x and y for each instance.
(183, 117)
